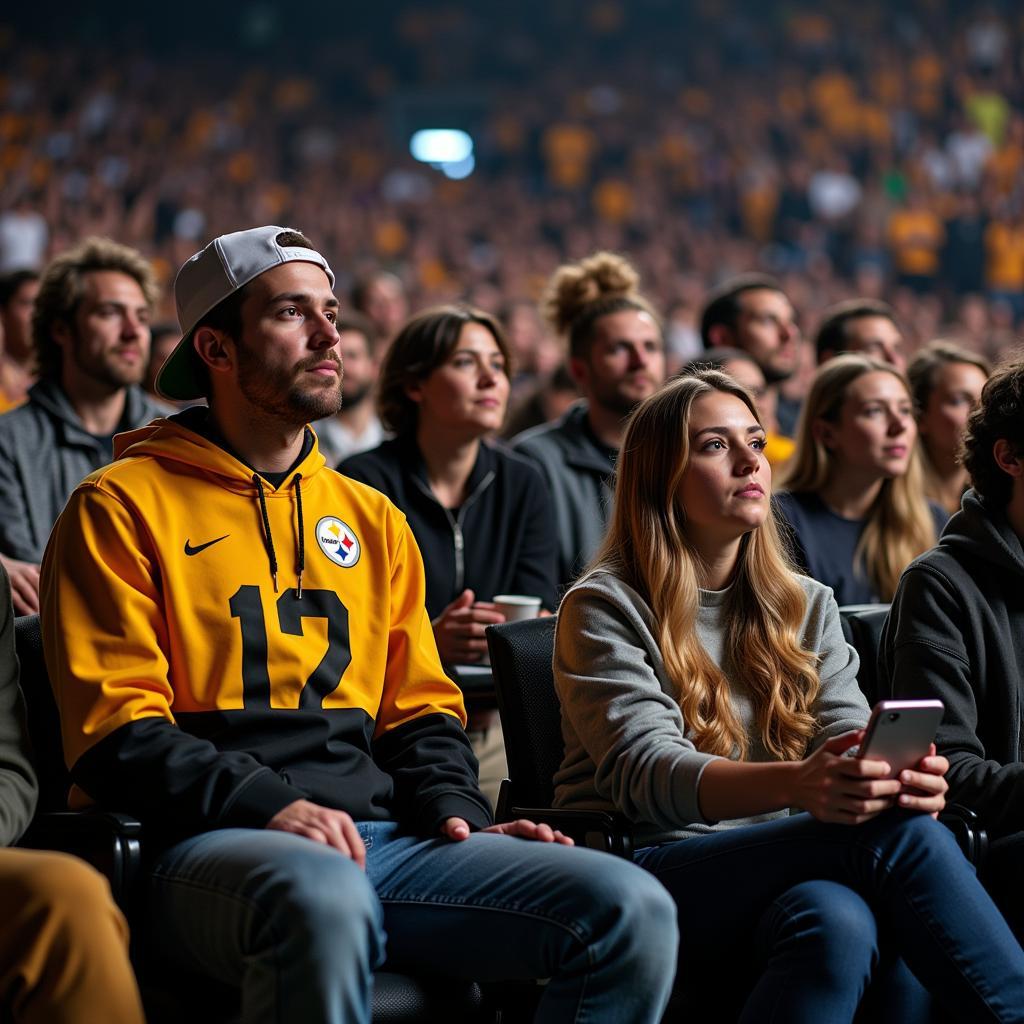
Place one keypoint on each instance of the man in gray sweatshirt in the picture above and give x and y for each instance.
(90, 329)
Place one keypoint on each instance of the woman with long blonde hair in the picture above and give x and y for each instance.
(706, 689)
(853, 492)
(946, 382)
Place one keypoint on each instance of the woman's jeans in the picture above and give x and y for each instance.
(788, 920)
(299, 928)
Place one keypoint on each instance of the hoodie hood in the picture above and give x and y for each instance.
(50, 396)
(176, 440)
(982, 531)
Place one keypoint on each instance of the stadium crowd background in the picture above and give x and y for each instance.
(869, 150)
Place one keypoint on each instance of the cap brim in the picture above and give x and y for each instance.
(177, 378)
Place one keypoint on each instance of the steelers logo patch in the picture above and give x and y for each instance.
(337, 541)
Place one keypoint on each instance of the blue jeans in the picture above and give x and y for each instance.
(299, 928)
(796, 916)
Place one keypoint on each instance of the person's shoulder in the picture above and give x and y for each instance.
(939, 566)
(602, 584)
(516, 467)
(143, 408)
(365, 494)
(602, 602)
(818, 594)
(795, 504)
(22, 417)
(549, 437)
(386, 454)
(380, 467)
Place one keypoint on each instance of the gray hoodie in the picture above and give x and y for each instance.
(956, 631)
(578, 473)
(45, 452)
(627, 748)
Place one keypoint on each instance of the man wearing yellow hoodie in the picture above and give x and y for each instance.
(241, 654)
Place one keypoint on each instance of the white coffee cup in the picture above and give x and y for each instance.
(517, 606)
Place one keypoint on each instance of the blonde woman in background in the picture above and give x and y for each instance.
(946, 382)
(853, 490)
(706, 689)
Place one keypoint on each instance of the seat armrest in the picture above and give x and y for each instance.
(970, 835)
(597, 830)
(108, 840)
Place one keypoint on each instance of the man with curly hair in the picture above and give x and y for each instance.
(956, 632)
(90, 329)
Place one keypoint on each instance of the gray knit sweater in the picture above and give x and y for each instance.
(626, 746)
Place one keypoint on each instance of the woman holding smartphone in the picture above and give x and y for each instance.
(706, 689)
(853, 492)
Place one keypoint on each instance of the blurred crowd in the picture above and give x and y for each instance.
(865, 151)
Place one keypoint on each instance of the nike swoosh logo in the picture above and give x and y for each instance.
(189, 550)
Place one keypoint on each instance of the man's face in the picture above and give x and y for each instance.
(878, 337)
(288, 363)
(16, 318)
(766, 328)
(386, 305)
(359, 366)
(626, 362)
(107, 342)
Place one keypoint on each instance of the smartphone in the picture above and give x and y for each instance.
(900, 732)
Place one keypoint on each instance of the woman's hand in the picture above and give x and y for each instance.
(924, 786)
(459, 629)
(847, 790)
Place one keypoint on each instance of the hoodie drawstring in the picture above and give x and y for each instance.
(269, 537)
(299, 533)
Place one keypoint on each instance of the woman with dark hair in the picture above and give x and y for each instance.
(480, 513)
(946, 382)
(852, 493)
(706, 689)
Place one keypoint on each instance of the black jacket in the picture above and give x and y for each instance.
(501, 540)
(956, 632)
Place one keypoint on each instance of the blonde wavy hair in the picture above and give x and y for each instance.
(922, 375)
(899, 524)
(647, 547)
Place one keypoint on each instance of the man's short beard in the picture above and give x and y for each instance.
(619, 403)
(112, 376)
(773, 375)
(290, 405)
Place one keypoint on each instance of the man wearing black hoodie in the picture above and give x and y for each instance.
(956, 632)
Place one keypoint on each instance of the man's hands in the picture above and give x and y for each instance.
(24, 585)
(322, 825)
(851, 790)
(459, 629)
(457, 829)
(337, 829)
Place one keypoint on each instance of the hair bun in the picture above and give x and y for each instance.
(605, 275)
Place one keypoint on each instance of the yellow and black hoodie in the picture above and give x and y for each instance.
(220, 647)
